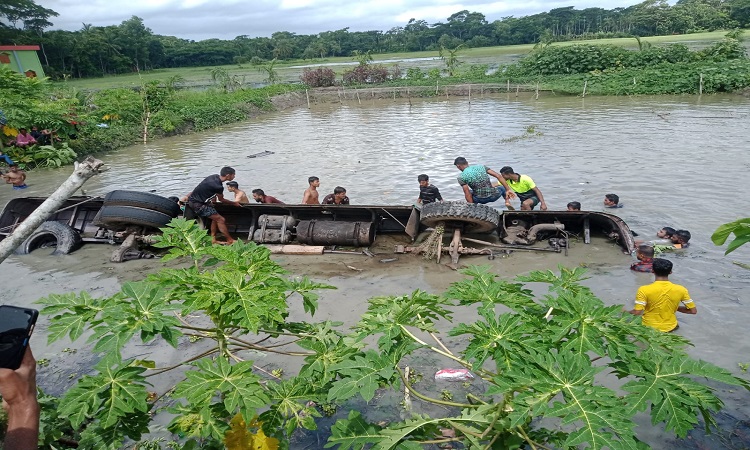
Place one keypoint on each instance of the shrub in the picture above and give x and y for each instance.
(366, 73)
(319, 77)
(414, 73)
(723, 50)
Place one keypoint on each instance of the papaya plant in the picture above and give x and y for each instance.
(541, 361)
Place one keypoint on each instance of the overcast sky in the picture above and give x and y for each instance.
(226, 19)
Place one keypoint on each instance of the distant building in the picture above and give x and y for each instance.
(22, 59)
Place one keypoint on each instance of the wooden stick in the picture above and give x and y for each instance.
(307, 93)
(296, 249)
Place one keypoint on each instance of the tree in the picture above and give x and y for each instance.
(26, 12)
(543, 360)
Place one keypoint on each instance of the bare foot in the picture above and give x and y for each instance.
(216, 242)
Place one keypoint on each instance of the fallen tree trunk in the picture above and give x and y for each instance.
(83, 171)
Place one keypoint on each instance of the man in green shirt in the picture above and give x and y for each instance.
(477, 186)
(524, 187)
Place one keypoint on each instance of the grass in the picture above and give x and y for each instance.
(201, 76)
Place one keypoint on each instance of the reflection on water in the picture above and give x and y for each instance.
(674, 161)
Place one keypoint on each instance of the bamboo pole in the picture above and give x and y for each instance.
(508, 85)
(307, 94)
(700, 86)
(82, 172)
(585, 83)
(517, 88)
(358, 99)
(470, 94)
(537, 90)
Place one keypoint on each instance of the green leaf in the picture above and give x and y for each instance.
(353, 432)
(361, 375)
(238, 386)
(737, 243)
(738, 227)
(666, 381)
(72, 313)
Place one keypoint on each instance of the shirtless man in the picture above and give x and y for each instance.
(239, 195)
(16, 177)
(311, 193)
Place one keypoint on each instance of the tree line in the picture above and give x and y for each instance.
(131, 46)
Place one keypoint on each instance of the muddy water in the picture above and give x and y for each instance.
(674, 161)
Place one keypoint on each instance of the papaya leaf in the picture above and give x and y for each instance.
(483, 288)
(114, 395)
(183, 238)
(72, 314)
(667, 383)
(361, 374)
(238, 386)
(290, 407)
(200, 421)
(505, 338)
(354, 433)
(418, 428)
(388, 315)
(306, 287)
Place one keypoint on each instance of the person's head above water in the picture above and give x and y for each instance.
(611, 200)
(646, 251)
(574, 206)
(681, 237)
(665, 233)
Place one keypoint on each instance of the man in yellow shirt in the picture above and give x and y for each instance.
(659, 301)
(524, 187)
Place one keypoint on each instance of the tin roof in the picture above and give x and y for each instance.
(18, 47)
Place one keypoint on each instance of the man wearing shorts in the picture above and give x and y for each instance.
(524, 187)
(476, 183)
(212, 189)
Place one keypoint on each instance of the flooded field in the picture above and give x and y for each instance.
(674, 161)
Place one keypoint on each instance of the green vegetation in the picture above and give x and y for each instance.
(113, 118)
(559, 359)
(132, 47)
(739, 228)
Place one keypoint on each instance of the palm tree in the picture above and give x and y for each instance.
(450, 58)
(272, 76)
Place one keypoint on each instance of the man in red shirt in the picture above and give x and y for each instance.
(645, 257)
(261, 197)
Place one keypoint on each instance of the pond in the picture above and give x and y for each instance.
(674, 161)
